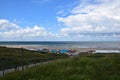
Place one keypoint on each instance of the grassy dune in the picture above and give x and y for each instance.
(82, 67)
(11, 57)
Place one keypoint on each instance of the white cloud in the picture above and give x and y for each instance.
(100, 20)
(11, 30)
(6, 25)
(61, 12)
(102, 17)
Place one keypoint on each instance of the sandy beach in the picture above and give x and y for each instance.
(37, 47)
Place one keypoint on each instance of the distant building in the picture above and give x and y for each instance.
(54, 51)
(86, 51)
(63, 51)
(44, 50)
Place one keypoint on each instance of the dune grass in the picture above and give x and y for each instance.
(11, 57)
(82, 67)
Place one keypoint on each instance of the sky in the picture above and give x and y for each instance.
(59, 20)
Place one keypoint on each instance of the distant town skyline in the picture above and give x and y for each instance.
(59, 20)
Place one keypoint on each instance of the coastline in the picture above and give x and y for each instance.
(38, 47)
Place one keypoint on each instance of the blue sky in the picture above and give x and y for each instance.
(33, 12)
(59, 20)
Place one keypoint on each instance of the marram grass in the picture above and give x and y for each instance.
(82, 67)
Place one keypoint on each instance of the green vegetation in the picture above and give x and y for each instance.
(11, 57)
(82, 67)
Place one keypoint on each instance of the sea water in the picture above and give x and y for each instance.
(76, 44)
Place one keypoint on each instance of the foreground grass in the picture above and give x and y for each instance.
(83, 67)
(11, 57)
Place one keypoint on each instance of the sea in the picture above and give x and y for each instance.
(76, 44)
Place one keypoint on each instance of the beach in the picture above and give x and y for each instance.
(37, 47)
(68, 45)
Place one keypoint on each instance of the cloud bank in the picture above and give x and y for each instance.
(101, 19)
(12, 30)
(97, 20)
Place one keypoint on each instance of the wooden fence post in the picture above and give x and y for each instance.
(22, 58)
(3, 72)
